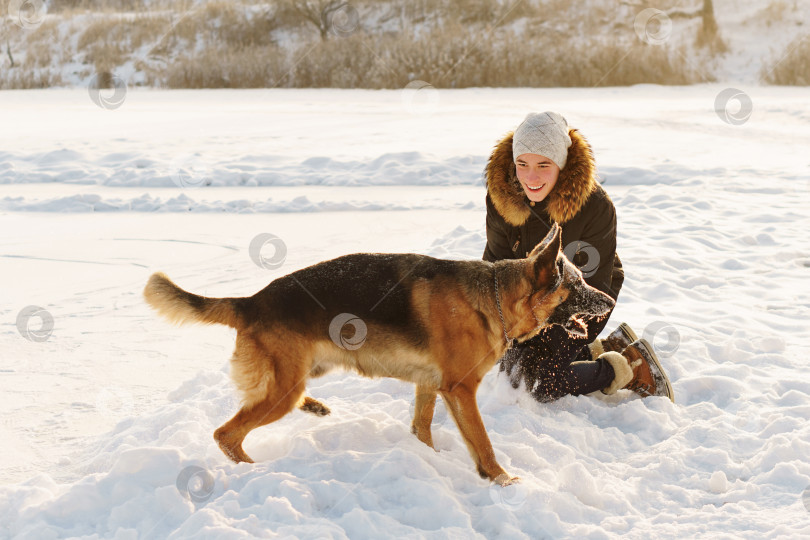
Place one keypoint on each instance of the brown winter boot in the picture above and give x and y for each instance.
(617, 340)
(637, 368)
(620, 338)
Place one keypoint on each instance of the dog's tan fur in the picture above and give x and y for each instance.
(431, 322)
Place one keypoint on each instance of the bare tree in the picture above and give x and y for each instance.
(708, 35)
(8, 52)
(318, 12)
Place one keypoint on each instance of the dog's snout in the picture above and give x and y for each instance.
(591, 301)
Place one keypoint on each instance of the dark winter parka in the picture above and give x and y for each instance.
(577, 203)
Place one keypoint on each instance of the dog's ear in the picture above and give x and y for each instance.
(544, 255)
(553, 235)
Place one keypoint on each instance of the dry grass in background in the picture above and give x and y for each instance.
(451, 58)
(775, 12)
(72, 7)
(791, 66)
(245, 67)
(108, 42)
(34, 69)
(447, 43)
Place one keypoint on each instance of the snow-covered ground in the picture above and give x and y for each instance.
(107, 416)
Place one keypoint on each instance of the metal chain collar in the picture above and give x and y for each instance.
(500, 311)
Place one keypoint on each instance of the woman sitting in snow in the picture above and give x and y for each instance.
(545, 173)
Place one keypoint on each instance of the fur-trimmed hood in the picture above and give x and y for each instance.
(575, 184)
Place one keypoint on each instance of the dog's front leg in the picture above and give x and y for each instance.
(460, 401)
(424, 405)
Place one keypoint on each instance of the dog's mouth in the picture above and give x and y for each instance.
(575, 326)
(573, 323)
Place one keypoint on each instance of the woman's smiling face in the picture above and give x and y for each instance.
(537, 175)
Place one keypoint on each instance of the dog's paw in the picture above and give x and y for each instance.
(426, 438)
(235, 454)
(504, 480)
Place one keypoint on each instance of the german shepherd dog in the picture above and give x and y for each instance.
(440, 324)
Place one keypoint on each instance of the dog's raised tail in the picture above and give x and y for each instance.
(179, 306)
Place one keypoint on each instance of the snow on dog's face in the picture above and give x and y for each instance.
(563, 297)
(577, 299)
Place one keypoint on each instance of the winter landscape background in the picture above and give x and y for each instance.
(108, 411)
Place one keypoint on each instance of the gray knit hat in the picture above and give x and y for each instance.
(545, 134)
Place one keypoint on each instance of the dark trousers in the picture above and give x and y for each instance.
(554, 364)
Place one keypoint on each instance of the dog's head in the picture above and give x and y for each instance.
(562, 296)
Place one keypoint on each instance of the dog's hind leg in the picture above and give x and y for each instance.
(460, 401)
(424, 406)
(277, 403)
(314, 406)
